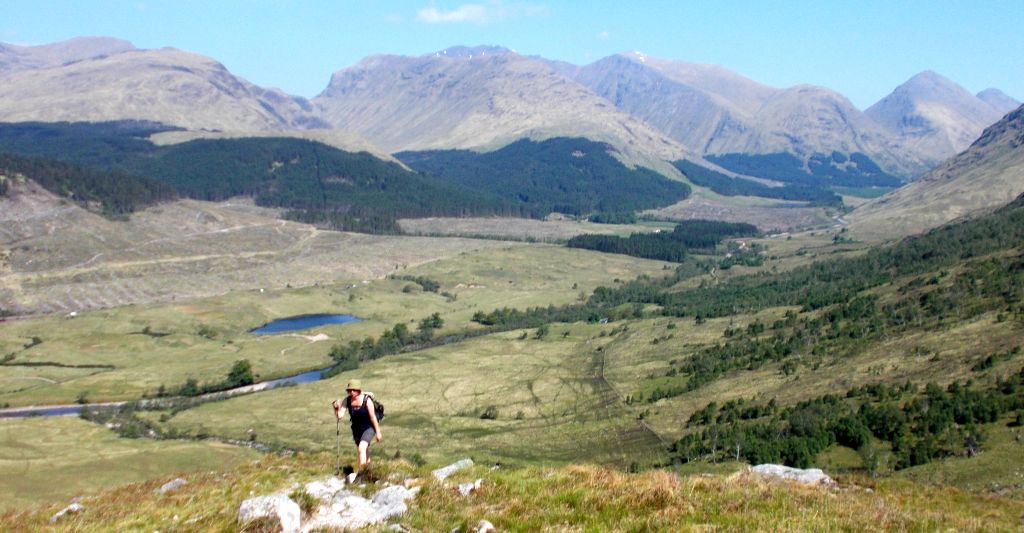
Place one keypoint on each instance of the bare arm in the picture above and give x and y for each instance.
(339, 413)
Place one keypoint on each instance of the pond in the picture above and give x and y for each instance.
(298, 323)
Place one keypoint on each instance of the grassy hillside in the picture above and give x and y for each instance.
(125, 352)
(941, 308)
(52, 460)
(549, 358)
(579, 497)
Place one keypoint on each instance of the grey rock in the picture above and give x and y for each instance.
(346, 511)
(390, 502)
(810, 476)
(396, 528)
(278, 507)
(71, 509)
(466, 488)
(324, 490)
(484, 526)
(172, 485)
(391, 495)
(387, 512)
(442, 473)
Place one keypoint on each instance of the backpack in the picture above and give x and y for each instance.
(378, 408)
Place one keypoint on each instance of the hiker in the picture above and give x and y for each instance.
(364, 421)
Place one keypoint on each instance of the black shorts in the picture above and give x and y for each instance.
(366, 436)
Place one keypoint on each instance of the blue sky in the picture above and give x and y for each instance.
(863, 49)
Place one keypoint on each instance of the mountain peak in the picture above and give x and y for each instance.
(14, 57)
(935, 115)
(930, 85)
(999, 100)
(469, 52)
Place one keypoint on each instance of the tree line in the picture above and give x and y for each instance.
(837, 169)
(573, 176)
(727, 185)
(114, 193)
(920, 425)
(667, 246)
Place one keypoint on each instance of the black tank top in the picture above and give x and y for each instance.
(360, 416)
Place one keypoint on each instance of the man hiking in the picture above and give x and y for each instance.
(365, 427)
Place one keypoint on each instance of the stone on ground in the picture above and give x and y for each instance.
(71, 509)
(810, 476)
(442, 473)
(172, 485)
(277, 507)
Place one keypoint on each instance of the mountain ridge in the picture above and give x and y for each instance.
(485, 97)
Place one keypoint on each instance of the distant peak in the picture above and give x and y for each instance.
(469, 52)
(929, 78)
(999, 100)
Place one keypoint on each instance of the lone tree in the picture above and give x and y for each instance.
(240, 374)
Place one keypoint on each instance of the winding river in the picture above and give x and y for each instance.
(296, 323)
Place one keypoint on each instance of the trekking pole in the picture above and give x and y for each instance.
(337, 430)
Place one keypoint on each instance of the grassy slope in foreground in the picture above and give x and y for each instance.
(54, 459)
(576, 497)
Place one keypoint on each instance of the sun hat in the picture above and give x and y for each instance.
(354, 385)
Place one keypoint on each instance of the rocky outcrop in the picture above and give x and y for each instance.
(279, 508)
(336, 507)
(809, 476)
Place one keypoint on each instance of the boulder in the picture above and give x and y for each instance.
(442, 473)
(277, 507)
(484, 526)
(390, 502)
(324, 490)
(171, 485)
(71, 509)
(810, 476)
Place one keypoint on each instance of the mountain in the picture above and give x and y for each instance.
(934, 117)
(715, 111)
(988, 174)
(107, 80)
(998, 100)
(13, 57)
(477, 98)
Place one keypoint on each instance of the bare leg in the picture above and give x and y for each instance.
(364, 455)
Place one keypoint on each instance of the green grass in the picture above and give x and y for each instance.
(514, 276)
(573, 498)
(51, 460)
(998, 469)
(551, 406)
